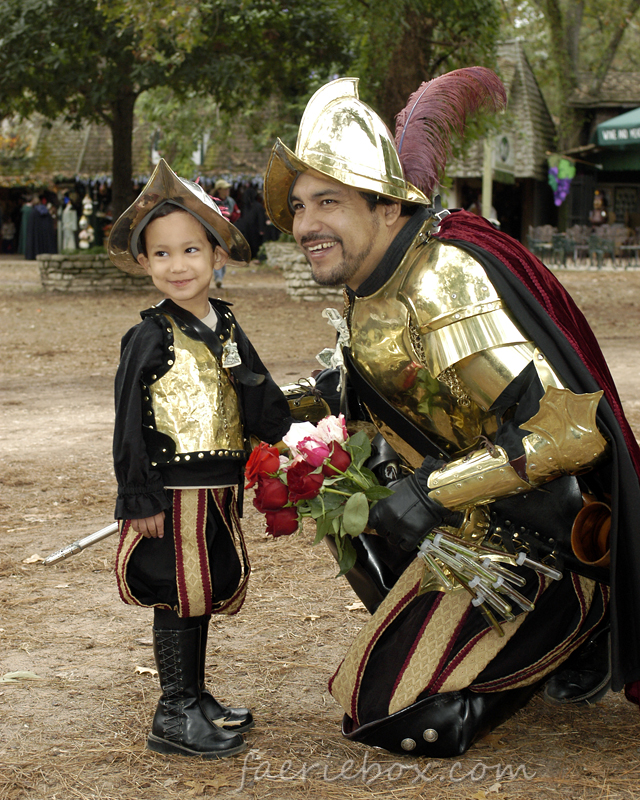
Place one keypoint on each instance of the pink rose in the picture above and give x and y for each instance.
(282, 522)
(303, 482)
(296, 433)
(271, 494)
(333, 429)
(313, 451)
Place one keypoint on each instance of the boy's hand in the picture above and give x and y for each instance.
(150, 527)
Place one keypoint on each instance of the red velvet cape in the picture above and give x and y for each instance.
(544, 309)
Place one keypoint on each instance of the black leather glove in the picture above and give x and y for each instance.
(408, 515)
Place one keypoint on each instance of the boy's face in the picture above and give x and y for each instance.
(181, 261)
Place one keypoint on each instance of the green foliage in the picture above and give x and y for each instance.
(573, 44)
(401, 44)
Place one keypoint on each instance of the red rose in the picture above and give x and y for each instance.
(339, 459)
(271, 493)
(282, 522)
(262, 461)
(303, 482)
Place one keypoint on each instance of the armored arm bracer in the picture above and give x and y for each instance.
(563, 440)
(463, 333)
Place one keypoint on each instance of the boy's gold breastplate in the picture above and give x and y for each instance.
(194, 403)
(437, 309)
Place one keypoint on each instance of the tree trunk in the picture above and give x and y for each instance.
(122, 152)
(409, 66)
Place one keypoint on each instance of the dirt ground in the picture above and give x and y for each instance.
(77, 728)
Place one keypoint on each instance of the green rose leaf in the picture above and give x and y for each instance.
(323, 527)
(359, 448)
(347, 557)
(374, 493)
(356, 514)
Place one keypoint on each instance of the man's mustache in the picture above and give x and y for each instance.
(318, 237)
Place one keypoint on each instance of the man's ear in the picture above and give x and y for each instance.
(391, 213)
(220, 257)
(144, 262)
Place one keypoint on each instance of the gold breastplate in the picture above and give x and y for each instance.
(438, 309)
(195, 404)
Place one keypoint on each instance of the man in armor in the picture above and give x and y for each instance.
(481, 374)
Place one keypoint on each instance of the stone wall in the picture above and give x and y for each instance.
(297, 274)
(86, 273)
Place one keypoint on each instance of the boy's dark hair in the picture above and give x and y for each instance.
(163, 211)
(406, 209)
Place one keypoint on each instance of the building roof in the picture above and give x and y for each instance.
(618, 90)
(57, 152)
(527, 120)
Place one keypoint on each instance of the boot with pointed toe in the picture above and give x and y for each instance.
(237, 720)
(585, 677)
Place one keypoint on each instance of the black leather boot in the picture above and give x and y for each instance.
(442, 725)
(237, 720)
(180, 726)
(585, 677)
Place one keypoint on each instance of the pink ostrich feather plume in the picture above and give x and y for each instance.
(438, 109)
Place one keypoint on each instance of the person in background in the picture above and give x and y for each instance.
(253, 220)
(221, 191)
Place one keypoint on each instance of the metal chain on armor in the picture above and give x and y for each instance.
(450, 378)
(416, 343)
(348, 306)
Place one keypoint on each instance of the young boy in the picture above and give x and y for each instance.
(190, 387)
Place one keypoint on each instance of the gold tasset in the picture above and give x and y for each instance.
(195, 404)
(343, 139)
(564, 440)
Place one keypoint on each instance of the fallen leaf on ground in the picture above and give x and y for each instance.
(34, 559)
(15, 677)
(493, 740)
(146, 671)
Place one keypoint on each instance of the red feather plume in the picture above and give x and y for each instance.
(434, 112)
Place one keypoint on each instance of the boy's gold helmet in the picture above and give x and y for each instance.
(165, 186)
(344, 139)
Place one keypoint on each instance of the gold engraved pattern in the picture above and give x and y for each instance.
(194, 402)
(564, 436)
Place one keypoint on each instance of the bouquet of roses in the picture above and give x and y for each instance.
(323, 478)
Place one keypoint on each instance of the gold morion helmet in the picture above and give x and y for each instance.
(164, 186)
(344, 139)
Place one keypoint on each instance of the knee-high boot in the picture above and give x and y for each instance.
(180, 726)
(238, 720)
